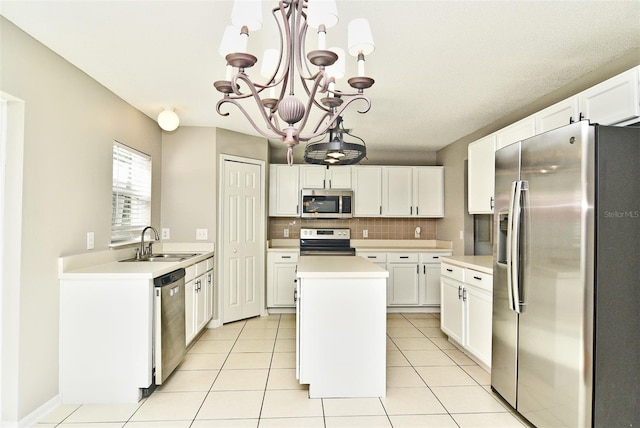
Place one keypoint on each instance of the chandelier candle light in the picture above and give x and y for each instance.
(279, 68)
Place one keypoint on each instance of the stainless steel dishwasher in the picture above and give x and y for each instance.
(169, 345)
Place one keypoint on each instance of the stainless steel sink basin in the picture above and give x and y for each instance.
(163, 257)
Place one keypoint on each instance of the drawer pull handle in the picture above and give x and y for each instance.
(478, 278)
(286, 257)
(436, 257)
(449, 270)
(404, 257)
(372, 257)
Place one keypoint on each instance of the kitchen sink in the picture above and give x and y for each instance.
(163, 257)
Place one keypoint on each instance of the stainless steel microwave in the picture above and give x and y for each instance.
(320, 203)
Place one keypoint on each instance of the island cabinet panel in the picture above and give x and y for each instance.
(341, 327)
(281, 275)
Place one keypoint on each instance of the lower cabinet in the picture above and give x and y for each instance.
(198, 297)
(281, 276)
(466, 309)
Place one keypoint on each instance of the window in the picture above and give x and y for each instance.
(131, 196)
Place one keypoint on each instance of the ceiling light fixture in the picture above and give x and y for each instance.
(168, 119)
(290, 67)
(336, 151)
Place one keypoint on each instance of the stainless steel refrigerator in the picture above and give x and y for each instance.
(566, 298)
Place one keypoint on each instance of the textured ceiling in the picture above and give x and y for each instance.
(443, 69)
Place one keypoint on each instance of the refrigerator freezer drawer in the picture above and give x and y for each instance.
(451, 271)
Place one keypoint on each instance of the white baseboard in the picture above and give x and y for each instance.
(32, 418)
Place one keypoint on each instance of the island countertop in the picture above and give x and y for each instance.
(338, 267)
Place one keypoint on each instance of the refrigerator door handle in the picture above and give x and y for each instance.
(513, 246)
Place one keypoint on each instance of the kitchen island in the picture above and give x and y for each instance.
(341, 326)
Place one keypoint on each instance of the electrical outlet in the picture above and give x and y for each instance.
(286, 233)
(90, 240)
(365, 233)
(166, 233)
(201, 234)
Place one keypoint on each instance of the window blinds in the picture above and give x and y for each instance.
(131, 197)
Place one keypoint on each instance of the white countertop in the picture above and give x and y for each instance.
(106, 264)
(480, 263)
(338, 267)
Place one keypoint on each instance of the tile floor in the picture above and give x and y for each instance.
(243, 375)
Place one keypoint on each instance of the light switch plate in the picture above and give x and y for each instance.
(202, 234)
(90, 240)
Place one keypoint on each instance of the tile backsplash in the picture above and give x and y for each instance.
(377, 228)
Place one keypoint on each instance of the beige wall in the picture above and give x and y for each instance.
(70, 122)
(454, 156)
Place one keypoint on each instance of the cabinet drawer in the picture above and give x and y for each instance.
(402, 257)
(479, 279)
(433, 257)
(285, 257)
(451, 271)
(201, 267)
(372, 256)
(209, 263)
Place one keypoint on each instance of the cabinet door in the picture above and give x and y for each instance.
(557, 115)
(284, 191)
(451, 313)
(282, 283)
(209, 286)
(403, 288)
(367, 188)
(189, 310)
(481, 175)
(613, 101)
(430, 277)
(313, 177)
(339, 177)
(201, 303)
(397, 191)
(478, 323)
(521, 130)
(428, 191)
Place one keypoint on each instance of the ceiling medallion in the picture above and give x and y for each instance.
(292, 66)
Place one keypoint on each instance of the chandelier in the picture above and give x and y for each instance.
(292, 68)
(336, 151)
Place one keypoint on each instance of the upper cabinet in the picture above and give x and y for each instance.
(518, 131)
(480, 175)
(284, 190)
(367, 190)
(613, 102)
(557, 115)
(413, 191)
(321, 177)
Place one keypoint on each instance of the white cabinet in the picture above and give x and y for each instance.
(198, 295)
(281, 275)
(480, 175)
(367, 190)
(557, 115)
(429, 281)
(466, 309)
(614, 101)
(397, 196)
(284, 190)
(428, 191)
(378, 258)
(521, 130)
(413, 191)
(403, 286)
(321, 177)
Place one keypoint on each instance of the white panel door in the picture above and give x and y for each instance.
(242, 282)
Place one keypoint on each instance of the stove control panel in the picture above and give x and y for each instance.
(338, 233)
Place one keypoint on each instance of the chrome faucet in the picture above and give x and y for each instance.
(146, 251)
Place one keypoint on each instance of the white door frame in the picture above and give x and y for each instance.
(261, 233)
